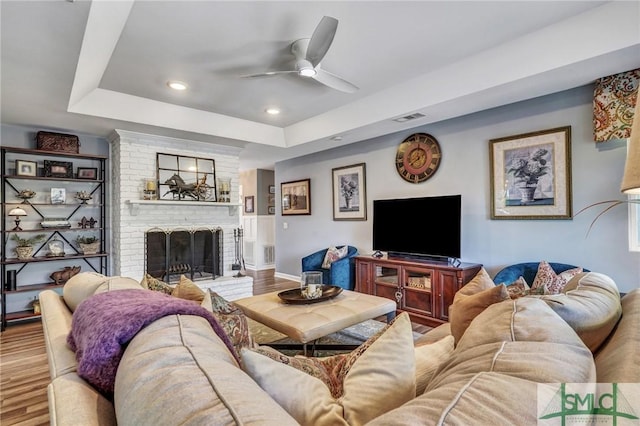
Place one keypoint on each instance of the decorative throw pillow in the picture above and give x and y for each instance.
(428, 358)
(481, 281)
(155, 284)
(333, 254)
(187, 289)
(552, 283)
(81, 286)
(518, 288)
(466, 307)
(232, 320)
(350, 388)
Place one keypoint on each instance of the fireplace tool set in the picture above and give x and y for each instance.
(238, 264)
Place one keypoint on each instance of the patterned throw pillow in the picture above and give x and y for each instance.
(518, 288)
(548, 282)
(187, 289)
(349, 388)
(155, 284)
(333, 254)
(232, 320)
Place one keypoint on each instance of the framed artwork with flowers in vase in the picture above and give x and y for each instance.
(350, 192)
(531, 175)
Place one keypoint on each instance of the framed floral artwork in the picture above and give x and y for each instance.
(296, 197)
(350, 193)
(531, 175)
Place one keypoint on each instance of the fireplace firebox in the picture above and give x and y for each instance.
(195, 253)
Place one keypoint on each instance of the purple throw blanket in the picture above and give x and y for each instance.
(104, 323)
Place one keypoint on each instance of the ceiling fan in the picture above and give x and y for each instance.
(309, 52)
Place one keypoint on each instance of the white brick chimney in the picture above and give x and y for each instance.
(133, 159)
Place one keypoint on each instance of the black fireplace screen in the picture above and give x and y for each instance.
(196, 254)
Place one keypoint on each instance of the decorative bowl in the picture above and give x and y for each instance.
(83, 196)
(26, 194)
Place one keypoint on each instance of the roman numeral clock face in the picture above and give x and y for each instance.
(418, 157)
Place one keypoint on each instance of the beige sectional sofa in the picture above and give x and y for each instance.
(178, 371)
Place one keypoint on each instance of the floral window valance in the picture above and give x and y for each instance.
(614, 101)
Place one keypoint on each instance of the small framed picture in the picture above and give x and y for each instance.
(59, 169)
(26, 168)
(248, 204)
(272, 189)
(58, 195)
(90, 173)
(272, 210)
(296, 197)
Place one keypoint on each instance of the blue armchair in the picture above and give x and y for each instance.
(342, 271)
(528, 271)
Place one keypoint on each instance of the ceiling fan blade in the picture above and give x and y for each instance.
(333, 81)
(321, 39)
(268, 74)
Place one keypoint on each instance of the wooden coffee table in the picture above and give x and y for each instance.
(309, 322)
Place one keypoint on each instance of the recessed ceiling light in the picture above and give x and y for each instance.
(177, 85)
(336, 138)
(272, 111)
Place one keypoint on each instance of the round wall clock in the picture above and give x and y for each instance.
(418, 157)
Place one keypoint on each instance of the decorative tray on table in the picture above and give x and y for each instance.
(295, 296)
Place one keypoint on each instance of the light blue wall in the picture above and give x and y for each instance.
(464, 169)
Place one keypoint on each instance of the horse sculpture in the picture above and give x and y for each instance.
(197, 191)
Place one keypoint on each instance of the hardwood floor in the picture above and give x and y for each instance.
(24, 373)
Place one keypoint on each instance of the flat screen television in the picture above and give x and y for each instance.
(427, 227)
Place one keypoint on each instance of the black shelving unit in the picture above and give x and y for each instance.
(71, 211)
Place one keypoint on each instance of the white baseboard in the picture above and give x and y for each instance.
(262, 268)
(286, 276)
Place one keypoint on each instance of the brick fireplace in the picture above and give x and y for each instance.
(133, 159)
(194, 253)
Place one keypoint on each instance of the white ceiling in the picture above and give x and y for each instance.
(91, 67)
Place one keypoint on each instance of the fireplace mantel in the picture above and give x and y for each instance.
(134, 205)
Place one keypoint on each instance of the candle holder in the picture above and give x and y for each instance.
(224, 190)
(150, 191)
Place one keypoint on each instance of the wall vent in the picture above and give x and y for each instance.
(269, 254)
(409, 117)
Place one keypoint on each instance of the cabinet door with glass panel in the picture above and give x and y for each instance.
(386, 281)
(418, 290)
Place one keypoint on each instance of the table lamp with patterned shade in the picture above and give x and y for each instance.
(17, 212)
(631, 177)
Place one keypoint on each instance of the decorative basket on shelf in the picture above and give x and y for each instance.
(24, 248)
(88, 245)
(91, 248)
(24, 252)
